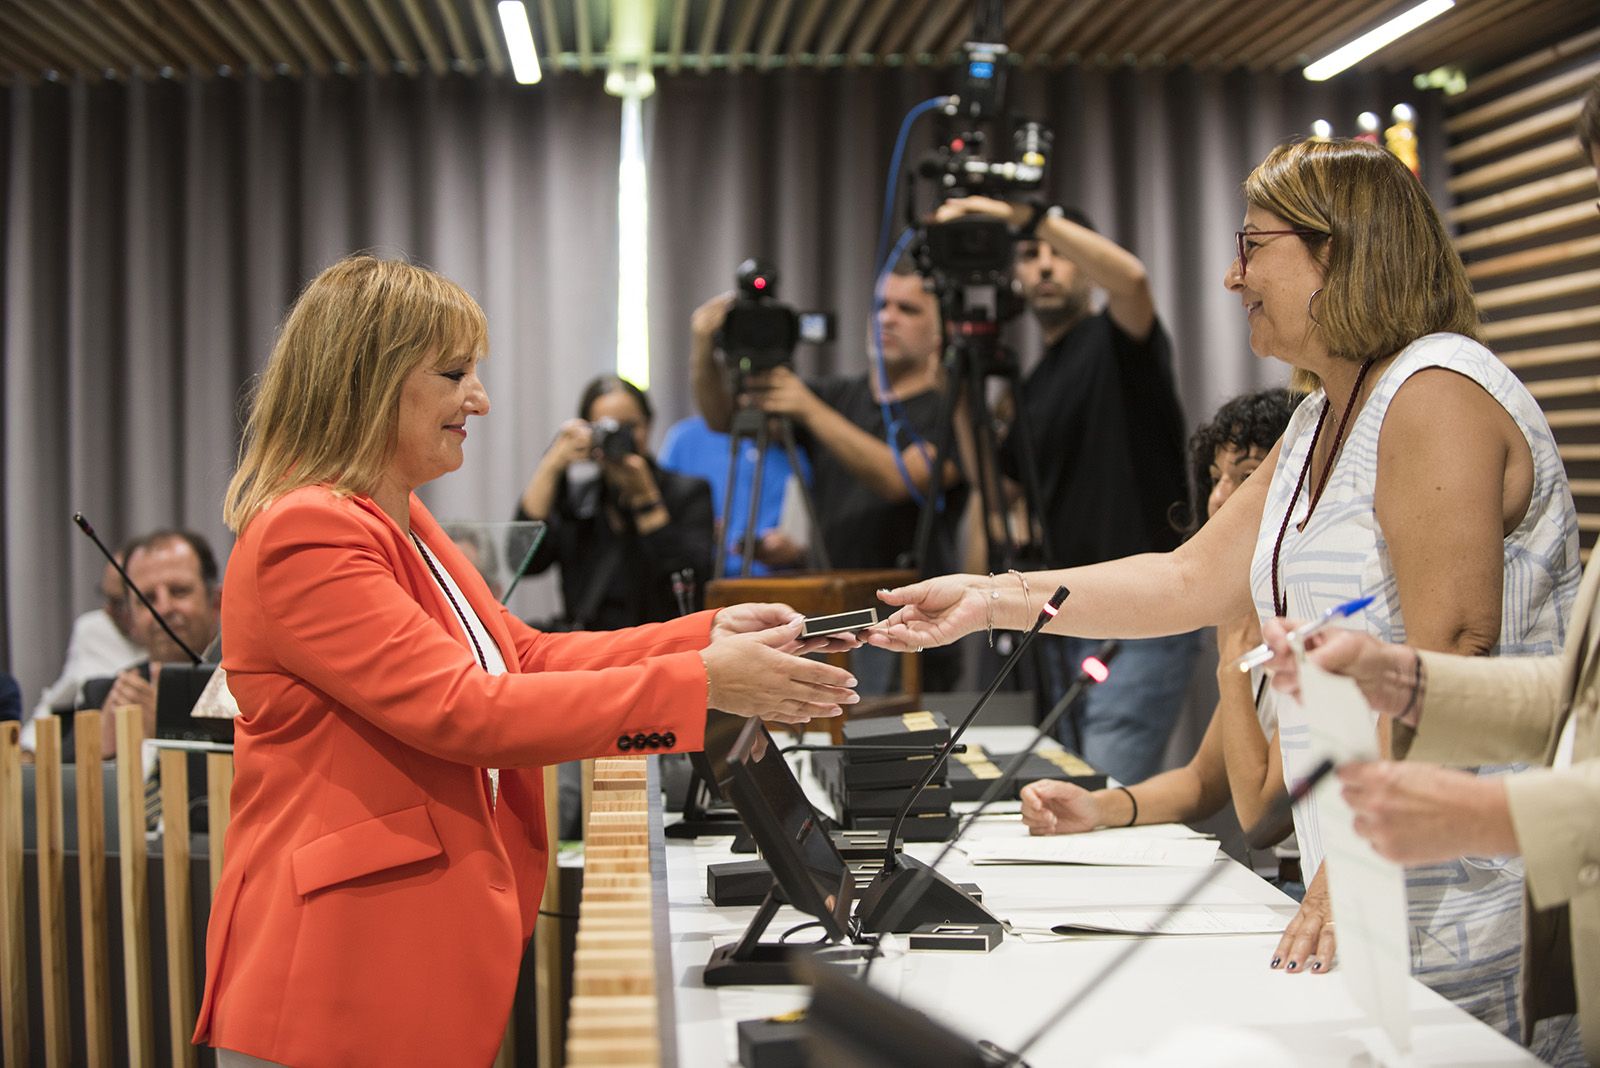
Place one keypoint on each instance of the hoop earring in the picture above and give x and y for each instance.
(1312, 315)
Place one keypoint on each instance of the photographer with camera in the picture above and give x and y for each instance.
(634, 541)
(865, 508)
(1106, 433)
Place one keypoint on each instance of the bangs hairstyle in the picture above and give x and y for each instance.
(326, 409)
(1392, 274)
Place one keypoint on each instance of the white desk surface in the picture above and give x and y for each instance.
(1174, 984)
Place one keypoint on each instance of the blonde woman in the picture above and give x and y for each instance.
(1418, 470)
(387, 851)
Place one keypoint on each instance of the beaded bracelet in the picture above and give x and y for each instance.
(1027, 597)
(988, 608)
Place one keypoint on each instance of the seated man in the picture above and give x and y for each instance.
(101, 644)
(177, 571)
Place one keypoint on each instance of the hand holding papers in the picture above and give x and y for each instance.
(1369, 893)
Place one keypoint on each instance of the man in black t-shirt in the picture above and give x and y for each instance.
(1107, 437)
(869, 472)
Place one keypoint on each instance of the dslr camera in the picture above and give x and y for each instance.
(611, 440)
(760, 333)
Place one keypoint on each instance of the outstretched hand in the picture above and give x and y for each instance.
(933, 612)
(749, 674)
(750, 618)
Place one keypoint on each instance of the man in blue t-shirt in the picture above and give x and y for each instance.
(693, 448)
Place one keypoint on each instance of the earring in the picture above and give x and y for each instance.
(1310, 314)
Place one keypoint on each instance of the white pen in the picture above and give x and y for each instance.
(1261, 653)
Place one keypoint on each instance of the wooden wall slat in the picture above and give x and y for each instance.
(1552, 355)
(135, 880)
(1547, 323)
(1545, 222)
(1562, 153)
(179, 914)
(1543, 289)
(50, 834)
(1574, 82)
(1543, 191)
(1532, 259)
(92, 911)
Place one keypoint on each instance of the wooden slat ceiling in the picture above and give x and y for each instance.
(122, 39)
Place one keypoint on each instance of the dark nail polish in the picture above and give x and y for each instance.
(1317, 967)
(1276, 961)
(1292, 966)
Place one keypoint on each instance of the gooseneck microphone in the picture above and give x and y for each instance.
(83, 525)
(1132, 946)
(800, 747)
(886, 895)
(901, 906)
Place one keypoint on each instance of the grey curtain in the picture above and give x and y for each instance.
(154, 233)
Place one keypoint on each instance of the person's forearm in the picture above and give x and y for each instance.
(1246, 756)
(868, 458)
(710, 385)
(1104, 262)
(1174, 796)
(539, 496)
(1143, 596)
(1487, 824)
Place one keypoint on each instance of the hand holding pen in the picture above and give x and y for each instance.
(1390, 677)
(1262, 654)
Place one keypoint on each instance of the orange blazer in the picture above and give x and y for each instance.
(373, 906)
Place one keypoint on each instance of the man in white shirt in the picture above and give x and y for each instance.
(101, 644)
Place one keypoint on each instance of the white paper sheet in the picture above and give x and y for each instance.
(1140, 852)
(1368, 892)
(1193, 920)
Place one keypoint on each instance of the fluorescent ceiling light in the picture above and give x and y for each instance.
(519, 41)
(1362, 47)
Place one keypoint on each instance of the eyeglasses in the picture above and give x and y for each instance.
(1240, 235)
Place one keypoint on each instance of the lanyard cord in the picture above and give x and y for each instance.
(1280, 599)
(466, 626)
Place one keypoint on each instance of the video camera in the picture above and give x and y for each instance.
(611, 440)
(976, 250)
(759, 332)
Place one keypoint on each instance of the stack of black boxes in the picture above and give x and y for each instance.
(972, 772)
(869, 788)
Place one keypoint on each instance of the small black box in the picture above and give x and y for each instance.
(957, 937)
(778, 1042)
(888, 802)
(932, 828)
(910, 728)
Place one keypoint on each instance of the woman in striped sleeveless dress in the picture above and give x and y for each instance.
(1418, 471)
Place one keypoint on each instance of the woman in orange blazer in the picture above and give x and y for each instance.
(386, 856)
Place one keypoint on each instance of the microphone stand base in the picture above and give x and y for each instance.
(935, 900)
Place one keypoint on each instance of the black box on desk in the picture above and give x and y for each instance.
(935, 827)
(888, 802)
(778, 1042)
(910, 728)
(972, 773)
(836, 776)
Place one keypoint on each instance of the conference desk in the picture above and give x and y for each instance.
(1169, 1001)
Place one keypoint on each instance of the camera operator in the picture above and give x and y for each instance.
(619, 526)
(1107, 437)
(867, 514)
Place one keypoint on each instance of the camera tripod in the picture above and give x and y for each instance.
(973, 356)
(751, 424)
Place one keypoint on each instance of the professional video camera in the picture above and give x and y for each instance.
(611, 440)
(976, 250)
(760, 333)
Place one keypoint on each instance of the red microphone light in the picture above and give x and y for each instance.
(1050, 609)
(957, 145)
(1096, 669)
(759, 283)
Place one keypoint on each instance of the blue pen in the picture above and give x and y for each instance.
(1261, 654)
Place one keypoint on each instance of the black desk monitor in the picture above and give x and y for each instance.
(808, 871)
(853, 1025)
(178, 688)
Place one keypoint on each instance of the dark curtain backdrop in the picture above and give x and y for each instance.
(154, 233)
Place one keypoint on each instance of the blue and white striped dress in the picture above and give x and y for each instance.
(1466, 915)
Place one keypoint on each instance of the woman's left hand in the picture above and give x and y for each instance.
(1308, 943)
(750, 618)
